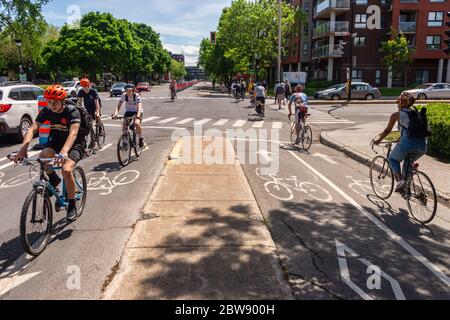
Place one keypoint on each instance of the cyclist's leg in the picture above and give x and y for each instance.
(138, 127)
(298, 122)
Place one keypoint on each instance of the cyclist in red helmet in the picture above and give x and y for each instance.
(64, 143)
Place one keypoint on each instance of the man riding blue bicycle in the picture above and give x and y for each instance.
(66, 142)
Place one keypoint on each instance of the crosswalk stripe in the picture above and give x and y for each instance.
(239, 123)
(185, 121)
(109, 145)
(150, 119)
(277, 125)
(258, 124)
(330, 122)
(221, 122)
(168, 120)
(202, 122)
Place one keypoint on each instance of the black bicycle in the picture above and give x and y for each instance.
(127, 141)
(419, 192)
(96, 136)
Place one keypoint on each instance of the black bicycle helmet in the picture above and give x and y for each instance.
(130, 86)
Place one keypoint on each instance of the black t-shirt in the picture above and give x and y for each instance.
(89, 100)
(60, 123)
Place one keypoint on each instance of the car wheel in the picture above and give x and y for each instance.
(422, 96)
(335, 97)
(370, 97)
(24, 126)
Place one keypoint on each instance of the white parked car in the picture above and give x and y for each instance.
(431, 91)
(18, 107)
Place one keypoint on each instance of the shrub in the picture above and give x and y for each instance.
(439, 120)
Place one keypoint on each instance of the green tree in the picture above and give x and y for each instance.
(177, 69)
(398, 56)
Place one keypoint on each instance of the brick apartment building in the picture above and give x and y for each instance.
(321, 47)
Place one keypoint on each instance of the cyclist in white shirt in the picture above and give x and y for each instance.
(301, 109)
(133, 107)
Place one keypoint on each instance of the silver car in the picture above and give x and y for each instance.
(360, 90)
(431, 91)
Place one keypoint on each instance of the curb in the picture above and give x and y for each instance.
(364, 159)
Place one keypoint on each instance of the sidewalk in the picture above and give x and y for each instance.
(202, 237)
(355, 143)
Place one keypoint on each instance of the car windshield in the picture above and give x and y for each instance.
(68, 84)
(142, 84)
(336, 87)
(119, 85)
(424, 86)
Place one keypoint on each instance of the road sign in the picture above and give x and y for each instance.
(295, 77)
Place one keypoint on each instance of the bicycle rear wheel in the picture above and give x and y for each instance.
(80, 189)
(137, 149)
(124, 149)
(101, 135)
(36, 222)
(421, 198)
(381, 177)
(90, 142)
(307, 138)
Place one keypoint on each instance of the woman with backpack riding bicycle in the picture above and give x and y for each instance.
(413, 128)
(133, 107)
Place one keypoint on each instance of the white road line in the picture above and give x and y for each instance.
(330, 122)
(221, 122)
(149, 127)
(150, 119)
(105, 117)
(168, 120)
(109, 145)
(30, 154)
(277, 125)
(405, 245)
(202, 122)
(185, 121)
(239, 123)
(258, 124)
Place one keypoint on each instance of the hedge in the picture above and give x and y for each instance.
(439, 119)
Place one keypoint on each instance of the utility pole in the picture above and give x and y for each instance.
(279, 41)
(350, 75)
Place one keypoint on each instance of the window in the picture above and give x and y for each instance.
(378, 76)
(361, 21)
(438, 86)
(14, 94)
(306, 7)
(305, 29)
(422, 76)
(437, 0)
(38, 92)
(433, 42)
(357, 75)
(27, 94)
(305, 48)
(435, 18)
(361, 1)
(359, 42)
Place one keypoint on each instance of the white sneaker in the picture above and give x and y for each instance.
(400, 186)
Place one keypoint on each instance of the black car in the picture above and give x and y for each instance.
(118, 89)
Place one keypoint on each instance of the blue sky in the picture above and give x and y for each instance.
(182, 24)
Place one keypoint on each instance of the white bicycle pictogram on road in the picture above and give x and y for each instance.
(361, 187)
(99, 181)
(18, 180)
(282, 188)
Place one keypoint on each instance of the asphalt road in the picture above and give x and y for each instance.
(328, 229)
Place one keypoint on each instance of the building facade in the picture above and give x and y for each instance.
(178, 57)
(322, 46)
(195, 73)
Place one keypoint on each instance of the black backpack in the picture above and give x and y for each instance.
(418, 124)
(84, 116)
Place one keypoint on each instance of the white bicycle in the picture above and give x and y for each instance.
(282, 188)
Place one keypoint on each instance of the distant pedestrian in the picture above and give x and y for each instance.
(280, 95)
(288, 90)
(275, 88)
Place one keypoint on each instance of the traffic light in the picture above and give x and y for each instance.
(447, 32)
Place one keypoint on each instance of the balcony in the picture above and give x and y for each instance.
(338, 28)
(407, 27)
(327, 51)
(323, 9)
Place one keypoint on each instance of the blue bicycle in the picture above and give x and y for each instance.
(36, 220)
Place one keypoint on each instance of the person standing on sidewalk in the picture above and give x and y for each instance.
(280, 94)
(407, 144)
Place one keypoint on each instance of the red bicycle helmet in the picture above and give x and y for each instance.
(85, 82)
(55, 92)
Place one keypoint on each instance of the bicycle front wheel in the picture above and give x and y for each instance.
(80, 189)
(90, 143)
(381, 177)
(307, 138)
(421, 198)
(101, 135)
(36, 222)
(124, 150)
(293, 133)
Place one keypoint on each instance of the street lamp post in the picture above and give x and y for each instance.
(279, 41)
(19, 45)
(352, 40)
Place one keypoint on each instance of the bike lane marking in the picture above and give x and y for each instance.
(109, 145)
(31, 154)
(398, 239)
